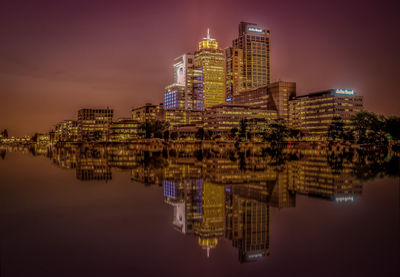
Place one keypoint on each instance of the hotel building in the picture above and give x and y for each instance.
(313, 113)
(255, 42)
(94, 124)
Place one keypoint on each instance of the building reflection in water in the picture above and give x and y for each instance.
(218, 196)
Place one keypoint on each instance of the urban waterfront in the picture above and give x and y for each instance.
(117, 211)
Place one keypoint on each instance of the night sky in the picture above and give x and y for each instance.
(59, 56)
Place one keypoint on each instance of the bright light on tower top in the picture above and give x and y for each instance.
(208, 42)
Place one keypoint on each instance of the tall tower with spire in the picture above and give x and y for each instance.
(211, 61)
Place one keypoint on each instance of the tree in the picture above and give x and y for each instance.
(243, 129)
(277, 132)
(200, 133)
(166, 135)
(153, 129)
(174, 135)
(233, 132)
(392, 127)
(336, 129)
(368, 127)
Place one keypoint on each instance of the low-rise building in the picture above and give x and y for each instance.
(148, 112)
(94, 124)
(220, 119)
(66, 130)
(274, 96)
(176, 117)
(124, 129)
(313, 113)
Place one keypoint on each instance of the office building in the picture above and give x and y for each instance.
(222, 118)
(124, 129)
(148, 112)
(66, 131)
(255, 42)
(274, 96)
(234, 71)
(94, 124)
(184, 92)
(210, 60)
(313, 113)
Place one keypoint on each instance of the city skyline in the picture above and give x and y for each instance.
(57, 60)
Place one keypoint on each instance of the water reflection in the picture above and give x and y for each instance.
(228, 194)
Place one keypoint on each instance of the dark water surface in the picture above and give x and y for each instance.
(98, 215)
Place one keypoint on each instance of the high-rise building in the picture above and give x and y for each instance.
(181, 94)
(234, 71)
(255, 43)
(211, 61)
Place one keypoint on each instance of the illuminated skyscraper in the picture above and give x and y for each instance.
(255, 43)
(211, 61)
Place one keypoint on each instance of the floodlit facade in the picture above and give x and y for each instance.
(255, 43)
(94, 124)
(313, 113)
(211, 61)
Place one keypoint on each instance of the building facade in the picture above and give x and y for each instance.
(94, 124)
(211, 61)
(148, 112)
(124, 129)
(255, 42)
(234, 71)
(222, 118)
(273, 97)
(313, 113)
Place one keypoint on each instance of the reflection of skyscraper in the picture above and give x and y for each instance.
(211, 60)
(212, 224)
(250, 228)
(255, 43)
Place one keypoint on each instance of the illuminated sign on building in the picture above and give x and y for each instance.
(344, 199)
(255, 30)
(345, 91)
(229, 99)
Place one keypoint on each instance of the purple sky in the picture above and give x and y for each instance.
(59, 56)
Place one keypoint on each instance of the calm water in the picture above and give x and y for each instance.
(116, 212)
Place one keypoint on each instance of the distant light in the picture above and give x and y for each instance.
(229, 99)
(345, 91)
(255, 30)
